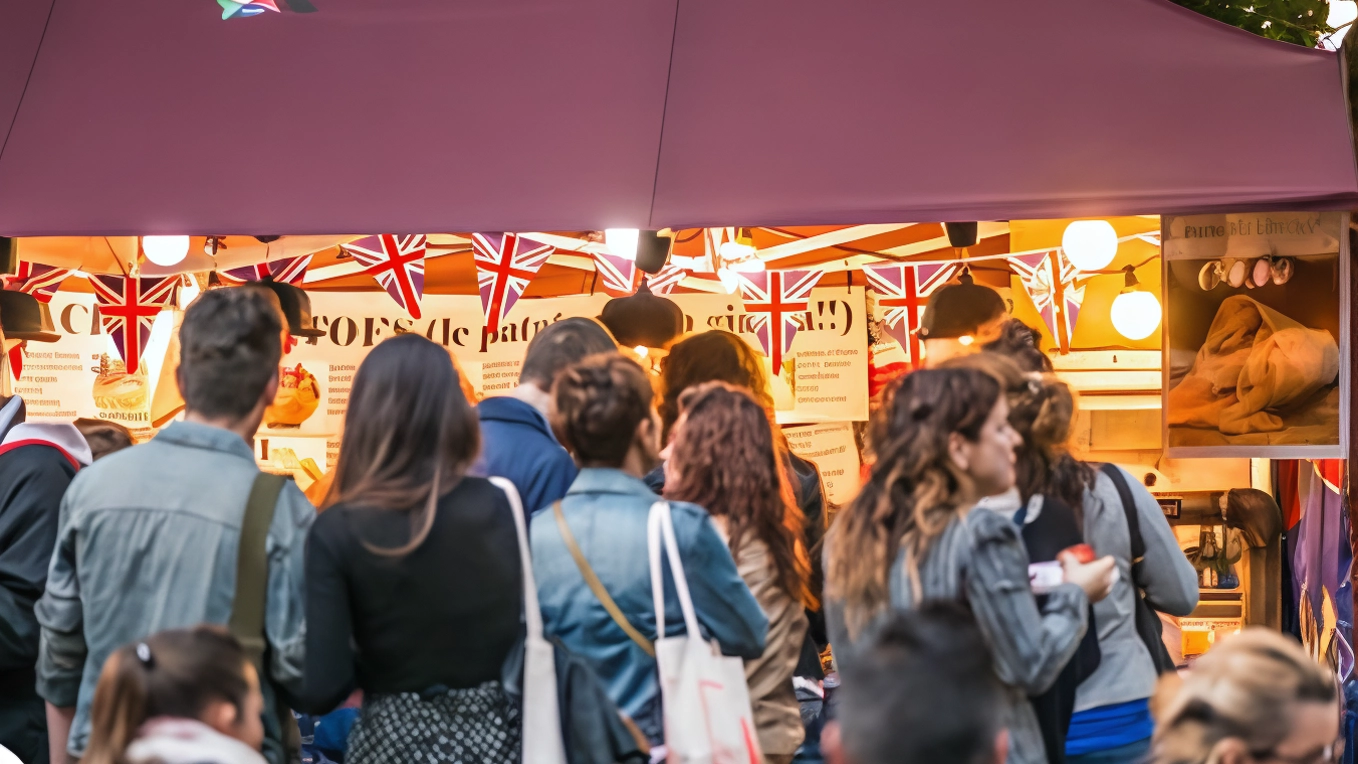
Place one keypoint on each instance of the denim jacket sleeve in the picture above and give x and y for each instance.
(61, 648)
(1030, 647)
(726, 608)
(285, 610)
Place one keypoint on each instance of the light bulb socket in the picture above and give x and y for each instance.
(1131, 283)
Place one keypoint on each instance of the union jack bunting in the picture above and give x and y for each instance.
(666, 280)
(16, 360)
(129, 306)
(35, 279)
(618, 273)
(902, 293)
(773, 302)
(1049, 278)
(505, 263)
(397, 262)
(290, 270)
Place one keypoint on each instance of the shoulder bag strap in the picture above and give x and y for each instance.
(1138, 544)
(597, 586)
(252, 568)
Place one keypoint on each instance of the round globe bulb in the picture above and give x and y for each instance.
(622, 242)
(165, 251)
(1091, 245)
(1135, 314)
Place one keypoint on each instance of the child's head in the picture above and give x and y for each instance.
(200, 673)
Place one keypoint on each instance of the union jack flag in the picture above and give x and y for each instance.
(666, 280)
(129, 307)
(773, 301)
(1049, 278)
(619, 274)
(397, 262)
(505, 263)
(289, 270)
(903, 292)
(41, 281)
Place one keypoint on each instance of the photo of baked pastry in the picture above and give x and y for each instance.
(299, 395)
(118, 394)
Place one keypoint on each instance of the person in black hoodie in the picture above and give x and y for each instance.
(37, 463)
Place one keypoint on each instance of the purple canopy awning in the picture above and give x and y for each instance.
(157, 116)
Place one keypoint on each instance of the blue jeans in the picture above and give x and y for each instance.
(1132, 753)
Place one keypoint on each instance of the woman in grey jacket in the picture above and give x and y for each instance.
(1112, 722)
(943, 442)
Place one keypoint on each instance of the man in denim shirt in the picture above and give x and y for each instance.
(602, 409)
(148, 537)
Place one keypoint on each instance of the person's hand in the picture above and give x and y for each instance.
(1096, 578)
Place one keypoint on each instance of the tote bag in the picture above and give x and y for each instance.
(708, 719)
(542, 741)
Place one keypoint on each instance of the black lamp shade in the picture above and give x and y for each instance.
(961, 234)
(653, 250)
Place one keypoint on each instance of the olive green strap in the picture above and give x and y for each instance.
(597, 586)
(252, 568)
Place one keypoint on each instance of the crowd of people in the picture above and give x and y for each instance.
(170, 603)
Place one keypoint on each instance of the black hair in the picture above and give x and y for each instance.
(230, 346)
(560, 345)
(922, 690)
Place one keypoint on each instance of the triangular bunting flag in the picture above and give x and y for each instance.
(617, 274)
(666, 280)
(505, 263)
(41, 281)
(290, 270)
(903, 291)
(397, 262)
(129, 307)
(773, 301)
(1049, 278)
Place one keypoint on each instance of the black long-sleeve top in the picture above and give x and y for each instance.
(445, 614)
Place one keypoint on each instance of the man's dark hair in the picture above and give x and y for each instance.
(560, 345)
(922, 691)
(230, 346)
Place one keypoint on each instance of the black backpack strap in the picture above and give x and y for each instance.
(1129, 510)
(252, 568)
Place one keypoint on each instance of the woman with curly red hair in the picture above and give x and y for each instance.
(724, 459)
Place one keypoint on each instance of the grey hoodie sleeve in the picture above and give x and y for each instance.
(1167, 577)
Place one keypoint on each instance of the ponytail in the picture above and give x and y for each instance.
(175, 673)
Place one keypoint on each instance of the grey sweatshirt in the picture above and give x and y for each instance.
(1126, 672)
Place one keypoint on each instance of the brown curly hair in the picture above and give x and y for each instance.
(713, 356)
(911, 493)
(726, 461)
(597, 405)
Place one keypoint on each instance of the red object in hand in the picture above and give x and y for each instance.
(1083, 552)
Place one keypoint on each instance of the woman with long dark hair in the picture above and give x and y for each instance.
(184, 695)
(416, 565)
(943, 442)
(724, 459)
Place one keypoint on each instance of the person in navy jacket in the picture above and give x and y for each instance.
(517, 442)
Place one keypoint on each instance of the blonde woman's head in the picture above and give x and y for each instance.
(1257, 697)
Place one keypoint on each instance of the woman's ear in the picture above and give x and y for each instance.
(959, 451)
(1231, 750)
(222, 716)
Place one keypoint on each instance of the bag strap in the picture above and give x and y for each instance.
(1138, 544)
(252, 568)
(660, 533)
(597, 586)
(532, 614)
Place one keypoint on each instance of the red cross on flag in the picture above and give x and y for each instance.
(41, 281)
(290, 270)
(773, 301)
(619, 275)
(1049, 278)
(505, 263)
(902, 292)
(397, 262)
(129, 307)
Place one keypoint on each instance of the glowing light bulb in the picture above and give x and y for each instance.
(1090, 244)
(1135, 313)
(165, 251)
(641, 351)
(622, 242)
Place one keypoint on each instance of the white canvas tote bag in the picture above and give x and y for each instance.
(542, 742)
(707, 703)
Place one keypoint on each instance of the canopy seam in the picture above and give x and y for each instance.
(20, 104)
(660, 148)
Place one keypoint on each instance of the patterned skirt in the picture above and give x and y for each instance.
(478, 725)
